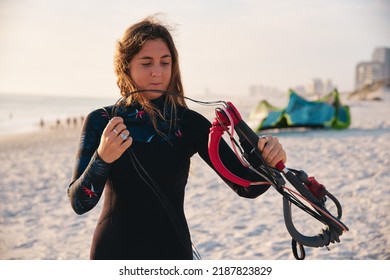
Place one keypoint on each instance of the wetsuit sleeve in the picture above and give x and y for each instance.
(90, 171)
(200, 129)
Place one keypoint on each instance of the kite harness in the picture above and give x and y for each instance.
(309, 195)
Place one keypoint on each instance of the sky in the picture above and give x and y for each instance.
(65, 47)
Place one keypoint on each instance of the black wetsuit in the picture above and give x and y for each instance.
(134, 224)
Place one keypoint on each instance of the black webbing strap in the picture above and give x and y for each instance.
(295, 245)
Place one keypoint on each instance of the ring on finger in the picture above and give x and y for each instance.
(123, 136)
(116, 132)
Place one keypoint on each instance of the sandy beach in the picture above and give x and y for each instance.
(37, 222)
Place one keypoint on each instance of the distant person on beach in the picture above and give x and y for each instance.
(58, 123)
(42, 123)
(138, 151)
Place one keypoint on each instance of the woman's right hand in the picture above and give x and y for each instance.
(114, 140)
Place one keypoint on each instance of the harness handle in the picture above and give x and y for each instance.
(214, 140)
(246, 135)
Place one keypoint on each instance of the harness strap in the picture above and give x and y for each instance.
(294, 247)
(215, 135)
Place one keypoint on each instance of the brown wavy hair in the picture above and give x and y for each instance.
(128, 46)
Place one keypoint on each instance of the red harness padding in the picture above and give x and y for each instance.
(316, 188)
(216, 132)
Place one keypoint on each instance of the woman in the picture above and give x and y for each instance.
(138, 153)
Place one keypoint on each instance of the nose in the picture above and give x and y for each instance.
(156, 71)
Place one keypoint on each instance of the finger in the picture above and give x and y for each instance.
(119, 128)
(127, 143)
(262, 142)
(124, 134)
(112, 124)
(271, 149)
(115, 120)
(272, 153)
(117, 133)
(269, 143)
(280, 156)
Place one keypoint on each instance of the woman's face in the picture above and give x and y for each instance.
(151, 67)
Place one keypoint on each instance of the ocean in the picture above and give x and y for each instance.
(23, 113)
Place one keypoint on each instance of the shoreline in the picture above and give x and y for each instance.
(52, 133)
(44, 125)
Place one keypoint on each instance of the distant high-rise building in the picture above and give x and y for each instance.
(382, 55)
(315, 87)
(327, 86)
(318, 87)
(377, 69)
(263, 90)
(300, 89)
(367, 73)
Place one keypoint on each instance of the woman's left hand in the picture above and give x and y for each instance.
(271, 150)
